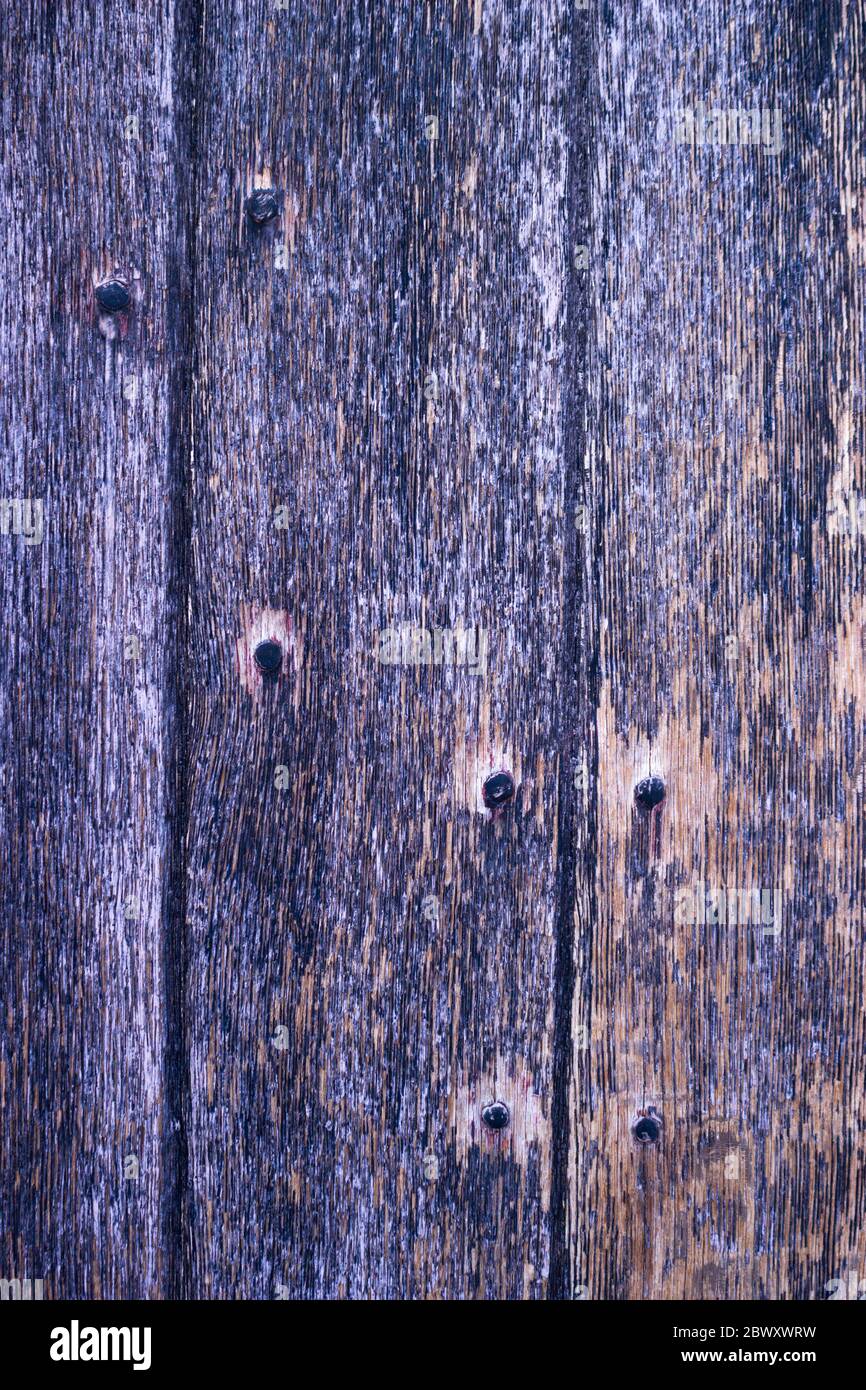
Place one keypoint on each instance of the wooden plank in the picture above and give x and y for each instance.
(268, 956)
(379, 424)
(87, 1147)
(725, 447)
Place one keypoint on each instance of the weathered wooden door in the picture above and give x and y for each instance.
(526, 421)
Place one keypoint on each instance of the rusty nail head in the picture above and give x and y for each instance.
(262, 206)
(268, 657)
(498, 790)
(113, 295)
(495, 1115)
(647, 1127)
(649, 793)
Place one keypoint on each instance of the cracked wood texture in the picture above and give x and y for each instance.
(510, 358)
(725, 379)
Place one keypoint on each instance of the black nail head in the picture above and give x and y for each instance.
(649, 793)
(498, 790)
(495, 1115)
(113, 296)
(647, 1130)
(262, 206)
(268, 657)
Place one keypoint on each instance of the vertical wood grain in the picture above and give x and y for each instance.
(87, 415)
(512, 358)
(725, 442)
(371, 956)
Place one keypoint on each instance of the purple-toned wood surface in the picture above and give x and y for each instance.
(500, 365)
